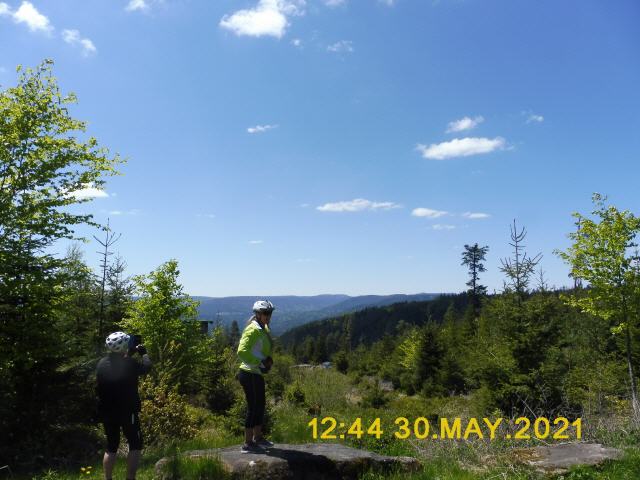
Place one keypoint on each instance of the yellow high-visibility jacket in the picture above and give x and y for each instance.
(255, 346)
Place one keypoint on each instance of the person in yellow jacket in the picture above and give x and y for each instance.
(254, 352)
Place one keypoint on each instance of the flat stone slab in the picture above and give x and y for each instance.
(558, 458)
(310, 461)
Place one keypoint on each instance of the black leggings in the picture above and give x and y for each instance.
(253, 386)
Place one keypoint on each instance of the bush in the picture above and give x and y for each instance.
(374, 398)
(294, 394)
(165, 415)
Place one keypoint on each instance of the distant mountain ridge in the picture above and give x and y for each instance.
(293, 311)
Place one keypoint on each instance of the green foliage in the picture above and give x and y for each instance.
(600, 254)
(167, 320)
(198, 468)
(42, 167)
(165, 415)
(374, 397)
(294, 394)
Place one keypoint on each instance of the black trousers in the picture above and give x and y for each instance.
(253, 386)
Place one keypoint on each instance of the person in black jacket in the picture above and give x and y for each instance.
(118, 400)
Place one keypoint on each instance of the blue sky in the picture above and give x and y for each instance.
(285, 147)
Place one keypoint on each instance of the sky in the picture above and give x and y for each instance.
(290, 147)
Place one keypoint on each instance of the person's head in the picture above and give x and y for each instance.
(118, 342)
(263, 310)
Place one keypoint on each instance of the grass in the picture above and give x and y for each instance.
(441, 460)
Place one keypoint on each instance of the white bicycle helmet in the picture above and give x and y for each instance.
(118, 342)
(263, 306)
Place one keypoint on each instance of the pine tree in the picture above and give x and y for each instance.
(472, 257)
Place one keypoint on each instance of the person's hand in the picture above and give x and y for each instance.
(141, 349)
(265, 365)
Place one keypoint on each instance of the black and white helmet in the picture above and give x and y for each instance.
(118, 342)
(263, 306)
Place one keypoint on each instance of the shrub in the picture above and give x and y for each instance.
(165, 415)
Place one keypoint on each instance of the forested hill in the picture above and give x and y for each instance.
(292, 311)
(366, 326)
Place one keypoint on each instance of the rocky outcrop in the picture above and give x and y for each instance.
(558, 458)
(311, 461)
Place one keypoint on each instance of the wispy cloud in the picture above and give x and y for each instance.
(267, 18)
(261, 128)
(28, 15)
(439, 226)
(357, 205)
(465, 123)
(388, 3)
(296, 42)
(334, 3)
(137, 5)
(535, 118)
(428, 213)
(73, 37)
(89, 191)
(205, 215)
(461, 147)
(342, 46)
(255, 242)
(475, 215)
(134, 211)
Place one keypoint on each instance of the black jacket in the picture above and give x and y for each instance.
(117, 385)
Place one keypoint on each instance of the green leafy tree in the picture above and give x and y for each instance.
(167, 319)
(602, 256)
(44, 168)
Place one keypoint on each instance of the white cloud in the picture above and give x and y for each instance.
(357, 205)
(535, 118)
(29, 15)
(334, 3)
(341, 46)
(475, 216)
(73, 37)
(439, 226)
(465, 123)
(89, 191)
(428, 212)
(296, 42)
(135, 5)
(461, 147)
(255, 242)
(268, 17)
(261, 128)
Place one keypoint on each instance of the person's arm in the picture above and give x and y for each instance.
(147, 364)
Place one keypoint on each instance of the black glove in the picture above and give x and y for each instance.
(141, 349)
(266, 364)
